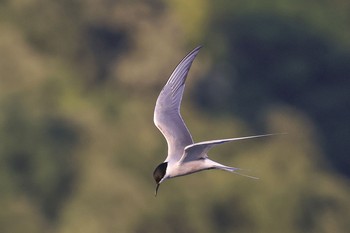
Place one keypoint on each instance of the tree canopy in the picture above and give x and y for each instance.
(78, 84)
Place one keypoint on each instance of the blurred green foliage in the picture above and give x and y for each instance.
(78, 83)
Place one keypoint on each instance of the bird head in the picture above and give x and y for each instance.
(159, 174)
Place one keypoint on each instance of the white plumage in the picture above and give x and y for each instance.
(184, 156)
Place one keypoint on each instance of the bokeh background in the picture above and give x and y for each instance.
(78, 84)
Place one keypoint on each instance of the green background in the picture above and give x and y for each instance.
(78, 84)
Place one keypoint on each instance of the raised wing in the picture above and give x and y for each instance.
(199, 150)
(167, 116)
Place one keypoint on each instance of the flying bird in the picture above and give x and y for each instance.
(184, 156)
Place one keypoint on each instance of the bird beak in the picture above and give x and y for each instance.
(155, 194)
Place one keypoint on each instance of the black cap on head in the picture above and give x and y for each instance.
(159, 173)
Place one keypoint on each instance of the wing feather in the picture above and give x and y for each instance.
(199, 150)
(167, 116)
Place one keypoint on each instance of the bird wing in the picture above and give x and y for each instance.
(199, 150)
(167, 116)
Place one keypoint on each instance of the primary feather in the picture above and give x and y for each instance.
(167, 116)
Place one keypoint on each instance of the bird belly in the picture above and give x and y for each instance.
(182, 169)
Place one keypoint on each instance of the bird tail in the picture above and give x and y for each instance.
(235, 170)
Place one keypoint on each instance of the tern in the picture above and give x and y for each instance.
(184, 156)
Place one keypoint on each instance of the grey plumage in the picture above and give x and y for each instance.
(184, 156)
